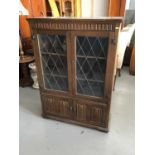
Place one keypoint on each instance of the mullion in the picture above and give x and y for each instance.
(92, 49)
(52, 76)
(91, 67)
(63, 81)
(80, 86)
(97, 60)
(83, 53)
(44, 48)
(81, 65)
(41, 43)
(60, 43)
(45, 63)
(50, 41)
(49, 58)
(101, 47)
(48, 80)
(99, 67)
(88, 64)
(61, 63)
(56, 83)
(59, 71)
(91, 46)
(55, 66)
(88, 83)
(81, 46)
(83, 41)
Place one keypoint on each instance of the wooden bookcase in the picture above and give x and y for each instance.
(75, 61)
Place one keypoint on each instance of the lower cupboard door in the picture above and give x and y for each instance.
(90, 113)
(57, 106)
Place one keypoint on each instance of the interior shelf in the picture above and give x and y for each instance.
(56, 75)
(91, 80)
(91, 57)
(57, 54)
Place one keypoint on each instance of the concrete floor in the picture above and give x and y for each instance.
(40, 136)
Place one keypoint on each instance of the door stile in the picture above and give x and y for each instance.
(73, 62)
(37, 55)
(69, 62)
(110, 66)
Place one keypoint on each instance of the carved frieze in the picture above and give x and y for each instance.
(73, 26)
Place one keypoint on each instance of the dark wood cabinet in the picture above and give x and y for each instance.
(75, 61)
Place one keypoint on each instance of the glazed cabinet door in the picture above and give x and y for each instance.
(54, 53)
(90, 54)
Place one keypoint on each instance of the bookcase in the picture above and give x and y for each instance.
(75, 60)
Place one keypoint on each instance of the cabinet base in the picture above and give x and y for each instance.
(77, 111)
(75, 122)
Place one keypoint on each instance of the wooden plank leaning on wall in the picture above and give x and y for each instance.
(35, 8)
(116, 7)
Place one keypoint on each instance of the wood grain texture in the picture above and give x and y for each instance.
(132, 62)
(77, 8)
(35, 9)
(116, 7)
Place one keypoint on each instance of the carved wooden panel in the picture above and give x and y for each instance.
(89, 112)
(75, 26)
(81, 112)
(56, 105)
(96, 115)
(72, 24)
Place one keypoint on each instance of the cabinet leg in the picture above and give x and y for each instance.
(44, 115)
(119, 72)
(114, 82)
(26, 79)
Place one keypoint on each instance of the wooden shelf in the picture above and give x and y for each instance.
(91, 57)
(55, 54)
(91, 80)
(56, 75)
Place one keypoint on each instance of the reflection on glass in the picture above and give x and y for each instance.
(53, 52)
(91, 64)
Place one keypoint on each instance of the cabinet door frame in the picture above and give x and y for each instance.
(39, 61)
(73, 43)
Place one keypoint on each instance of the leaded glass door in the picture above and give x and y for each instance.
(91, 59)
(53, 54)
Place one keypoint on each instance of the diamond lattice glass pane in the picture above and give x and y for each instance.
(53, 52)
(91, 64)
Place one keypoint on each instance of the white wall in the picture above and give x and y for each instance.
(94, 8)
(130, 5)
(86, 8)
(100, 8)
(127, 4)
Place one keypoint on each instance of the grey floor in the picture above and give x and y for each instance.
(40, 136)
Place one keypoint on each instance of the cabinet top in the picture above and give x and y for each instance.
(114, 19)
